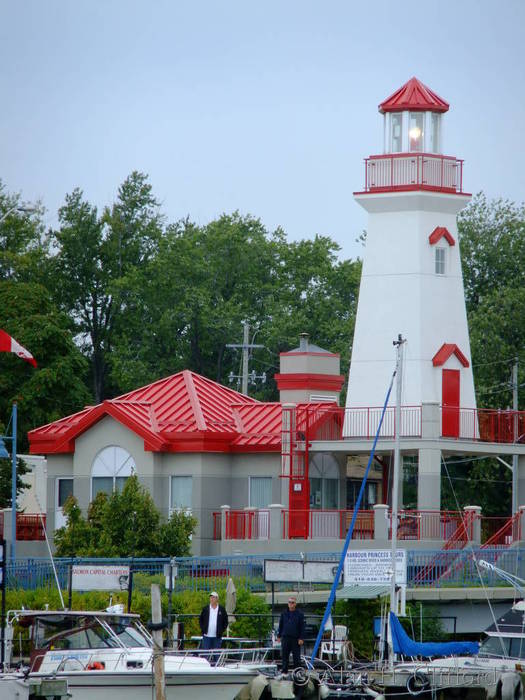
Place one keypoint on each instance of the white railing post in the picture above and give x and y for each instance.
(473, 523)
(275, 529)
(224, 515)
(521, 531)
(381, 522)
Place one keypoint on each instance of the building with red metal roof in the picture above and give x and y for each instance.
(194, 443)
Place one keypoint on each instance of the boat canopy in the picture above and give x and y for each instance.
(403, 644)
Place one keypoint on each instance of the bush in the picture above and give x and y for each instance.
(183, 604)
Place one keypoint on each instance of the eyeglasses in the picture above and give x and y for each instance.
(292, 602)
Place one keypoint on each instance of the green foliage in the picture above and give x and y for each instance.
(186, 606)
(127, 524)
(358, 616)
(174, 536)
(492, 239)
(6, 467)
(23, 247)
(92, 254)
(56, 387)
(188, 302)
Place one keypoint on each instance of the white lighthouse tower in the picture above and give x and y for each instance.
(411, 280)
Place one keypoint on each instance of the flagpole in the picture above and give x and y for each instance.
(13, 485)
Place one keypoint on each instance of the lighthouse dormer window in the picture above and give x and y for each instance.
(440, 261)
(416, 131)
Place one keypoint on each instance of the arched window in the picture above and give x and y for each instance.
(112, 466)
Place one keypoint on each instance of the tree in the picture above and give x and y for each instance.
(492, 238)
(23, 246)
(93, 254)
(189, 301)
(6, 467)
(56, 387)
(125, 524)
(175, 535)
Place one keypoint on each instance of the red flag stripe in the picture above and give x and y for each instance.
(9, 344)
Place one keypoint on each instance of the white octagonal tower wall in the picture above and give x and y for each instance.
(408, 288)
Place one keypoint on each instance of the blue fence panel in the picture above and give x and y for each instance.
(436, 568)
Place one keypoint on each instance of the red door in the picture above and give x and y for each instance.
(450, 403)
(299, 509)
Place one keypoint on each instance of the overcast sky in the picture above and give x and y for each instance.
(267, 107)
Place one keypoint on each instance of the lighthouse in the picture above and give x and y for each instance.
(411, 279)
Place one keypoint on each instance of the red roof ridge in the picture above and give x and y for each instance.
(441, 232)
(445, 351)
(194, 399)
(414, 95)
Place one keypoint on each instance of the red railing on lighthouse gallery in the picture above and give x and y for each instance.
(413, 171)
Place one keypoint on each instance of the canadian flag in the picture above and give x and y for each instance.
(9, 344)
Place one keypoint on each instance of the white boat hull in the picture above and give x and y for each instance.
(126, 685)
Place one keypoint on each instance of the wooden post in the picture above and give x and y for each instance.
(158, 650)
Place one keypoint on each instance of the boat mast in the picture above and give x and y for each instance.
(397, 469)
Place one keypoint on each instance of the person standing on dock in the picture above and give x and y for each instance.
(291, 634)
(213, 622)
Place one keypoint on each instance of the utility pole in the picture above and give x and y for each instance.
(246, 347)
(515, 436)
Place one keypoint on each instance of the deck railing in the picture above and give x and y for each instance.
(28, 527)
(485, 424)
(414, 171)
(361, 422)
(242, 525)
(500, 532)
(326, 524)
(427, 524)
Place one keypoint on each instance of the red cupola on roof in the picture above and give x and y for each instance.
(414, 96)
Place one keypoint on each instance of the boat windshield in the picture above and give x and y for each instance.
(88, 632)
(508, 647)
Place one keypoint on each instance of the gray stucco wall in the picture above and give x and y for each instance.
(217, 478)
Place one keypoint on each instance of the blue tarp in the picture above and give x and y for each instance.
(403, 644)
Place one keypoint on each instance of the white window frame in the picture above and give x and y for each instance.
(440, 260)
(179, 509)
(391, 131)
(57, 480)
(250, 489)
(125, 470)
(59, 510)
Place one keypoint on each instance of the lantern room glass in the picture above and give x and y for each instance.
(396, 121)
(416, 131)
(434, 132)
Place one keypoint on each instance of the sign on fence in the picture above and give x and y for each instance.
(374, 567)
(172, 569)
(287, 570)
(88, 577)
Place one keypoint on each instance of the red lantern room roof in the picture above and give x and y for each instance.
(414, 96)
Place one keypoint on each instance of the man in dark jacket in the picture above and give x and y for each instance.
(213, 622)
(291, 634)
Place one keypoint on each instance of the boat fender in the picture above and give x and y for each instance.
(156, 626)
(324, 691)
(373, 693)
(510, 687)
(300, 677)
(417, 683)
(95, 666)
